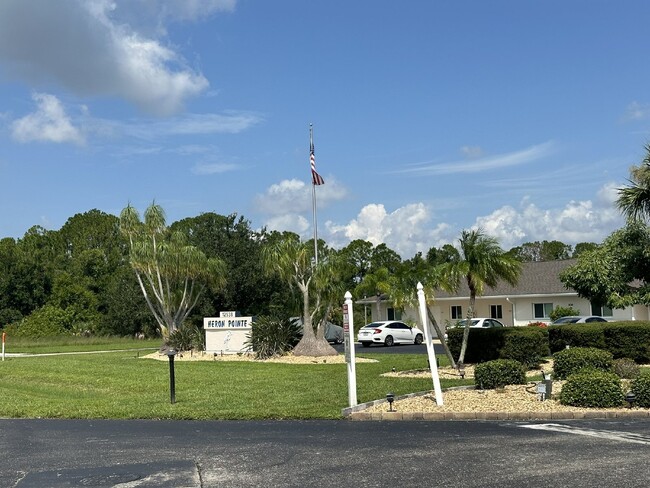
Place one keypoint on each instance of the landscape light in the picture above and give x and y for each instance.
(172, 382)
(391, 398)
(629, 398)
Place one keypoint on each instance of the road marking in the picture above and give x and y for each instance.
(602, 434)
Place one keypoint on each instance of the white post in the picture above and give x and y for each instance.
(348, 335)
(433, 365)
(4, 335)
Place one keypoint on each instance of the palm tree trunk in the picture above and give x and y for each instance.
(441, 336)
(468, 322)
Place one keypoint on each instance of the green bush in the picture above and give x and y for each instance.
(186, 338)
(574, 359)
(559, 312)
(592, 388)
(272, 337)
(628, 340)
(46, 321)
(498, 373)
(525, 344)
(529, 346)
(576, 335)
(641, 388)
(625, 368)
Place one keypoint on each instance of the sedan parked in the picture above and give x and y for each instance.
(389, 332)
(578, 319)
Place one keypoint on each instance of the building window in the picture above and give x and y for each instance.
(496, 312)
(394, 314)
(542, 310)
(456, 312)
(603, 311)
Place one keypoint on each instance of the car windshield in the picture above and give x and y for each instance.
(461, 323)
(567, 320)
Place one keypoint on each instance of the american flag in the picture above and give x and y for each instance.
(316, 179)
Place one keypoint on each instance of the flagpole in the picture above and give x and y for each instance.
(313, 194)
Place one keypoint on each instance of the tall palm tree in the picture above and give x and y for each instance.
(482, 263)
(376, 283)
(403, 291)
(634, 200)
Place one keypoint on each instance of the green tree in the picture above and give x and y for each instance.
(446, 254)
(293, 261)
(581, 247)
(403, 291)
(634, 199)
(482, 263)
(375, 284)
(606, 275)
(172, 274)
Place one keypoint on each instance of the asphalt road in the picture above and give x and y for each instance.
(71, 453)
(396, 349)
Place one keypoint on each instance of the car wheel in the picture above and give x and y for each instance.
(366, 344)
(389, 341)
(418, 339)
(338, 341)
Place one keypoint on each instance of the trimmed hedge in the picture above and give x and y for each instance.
(499, 373)
(570, 361)
(592, 389)
(641, 389)
(623, 339)
(528, 345)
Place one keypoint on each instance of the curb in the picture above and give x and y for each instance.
(357, 413)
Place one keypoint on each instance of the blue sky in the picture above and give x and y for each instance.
(429, 117)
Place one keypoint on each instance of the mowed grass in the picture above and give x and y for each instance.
(123, 385)
(44, 345)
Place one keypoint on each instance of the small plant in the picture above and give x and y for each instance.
(273, 337)
(572, 360)
(498, 373)
(559, 312)
(186, 338)
(640, 386)
(592, 388)
(626, 368)
(543, 325)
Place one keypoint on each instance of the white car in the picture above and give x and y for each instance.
(389, 332)
(476, 323)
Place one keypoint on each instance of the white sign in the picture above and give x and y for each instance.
(228, 323)
(228, 333)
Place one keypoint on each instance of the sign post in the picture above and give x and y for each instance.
(4, 337)
(433, 365)
(348, 340)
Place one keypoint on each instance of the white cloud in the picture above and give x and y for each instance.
(49, 123)
(528, 155)
(290, 222)
(213, 168)
(406, 230)
(577, 221)
(471, 152)
(230, 122)
(86, 47)
(636, 111)
(294, 196)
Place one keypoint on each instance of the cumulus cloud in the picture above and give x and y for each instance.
(577, 221)
(85, 47)
(294, 197)
(524, 156)
(406, 230)
(49, 123)
(636, 111)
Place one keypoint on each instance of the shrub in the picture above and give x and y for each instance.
(573, 360)
(46, 321)
(186, 338)
(272, 337)
(525, 344)
(641, 388)
(499, 372)
(592, 388)
(559, 312)
(628, 340)
(625, 368)
(576, 335)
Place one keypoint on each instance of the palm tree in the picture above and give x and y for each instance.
(376, 283)
(403, 291)
(292, 260)
(482, 263)
(634, 200)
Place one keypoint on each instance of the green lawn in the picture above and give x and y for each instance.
(122, 385)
